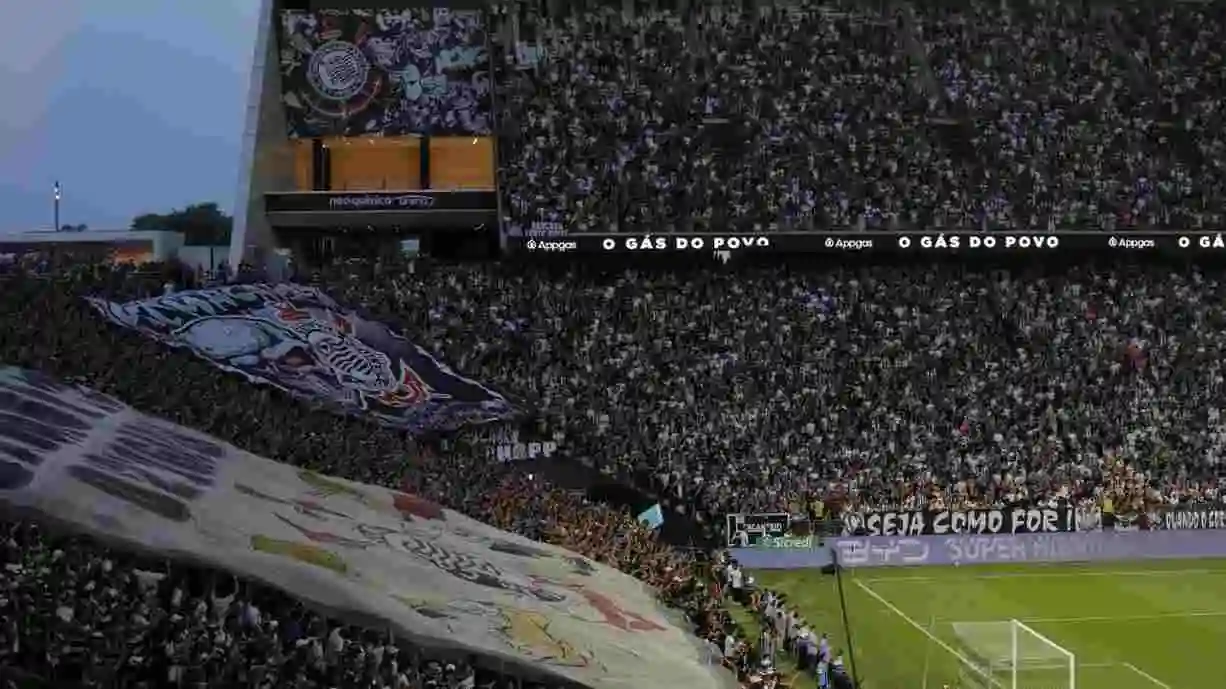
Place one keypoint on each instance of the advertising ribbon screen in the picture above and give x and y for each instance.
(384, 72)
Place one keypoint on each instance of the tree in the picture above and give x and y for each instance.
(202, 224)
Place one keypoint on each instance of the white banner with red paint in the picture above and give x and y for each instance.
(368, 553)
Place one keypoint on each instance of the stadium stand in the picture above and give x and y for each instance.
(746, 389)
(80, 613)
(975, 115)
(690, 400)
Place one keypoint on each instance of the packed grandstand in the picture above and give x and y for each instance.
(811, 390)
(1023, 115)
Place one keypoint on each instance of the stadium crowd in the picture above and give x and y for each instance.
(974, 114)
(76, 612)
(766, 389)
(783, 630)
(735, 389)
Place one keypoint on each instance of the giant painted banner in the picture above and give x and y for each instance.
(385, 72)
(983, 521)
(889, 551)
(77, 457)
(299, 340)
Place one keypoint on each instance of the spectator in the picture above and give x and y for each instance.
(77, 612)
(1029, 115)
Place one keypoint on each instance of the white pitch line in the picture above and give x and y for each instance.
(920, 628)
(1113, 618)
(1126, 618)
(1146, 675)
(1047, 575)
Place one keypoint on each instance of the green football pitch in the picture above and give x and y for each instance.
(1130, 626)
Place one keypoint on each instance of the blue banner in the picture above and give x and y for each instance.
(299, 340)
(653, 516)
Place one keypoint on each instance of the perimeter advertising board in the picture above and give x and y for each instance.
(966, 549)
(754, 530)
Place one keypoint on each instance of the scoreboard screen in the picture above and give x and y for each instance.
(748, 530)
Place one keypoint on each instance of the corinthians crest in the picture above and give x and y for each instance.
(338, 70)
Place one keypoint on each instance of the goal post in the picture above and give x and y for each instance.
(1028, 643)
(1011, 655)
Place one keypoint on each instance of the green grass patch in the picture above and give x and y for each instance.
(1130, 625)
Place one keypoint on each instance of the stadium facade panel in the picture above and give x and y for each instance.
(362, 119)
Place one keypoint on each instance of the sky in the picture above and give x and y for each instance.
(134, 106)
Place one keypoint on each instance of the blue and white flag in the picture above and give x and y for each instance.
(299, 340)
(653, 516)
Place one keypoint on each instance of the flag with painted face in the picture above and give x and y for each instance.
(299, 340)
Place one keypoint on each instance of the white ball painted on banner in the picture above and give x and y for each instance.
(224, 338)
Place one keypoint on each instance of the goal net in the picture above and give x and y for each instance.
(1010, 655)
